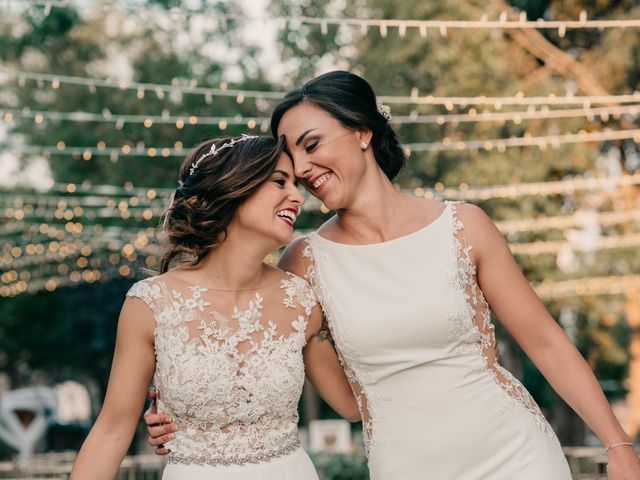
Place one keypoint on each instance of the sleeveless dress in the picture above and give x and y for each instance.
(414, 334)
(231, 383)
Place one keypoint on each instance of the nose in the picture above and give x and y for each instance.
(301, 167)
(296, 196)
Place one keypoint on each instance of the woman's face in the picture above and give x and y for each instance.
(272, 210)
(328, 157)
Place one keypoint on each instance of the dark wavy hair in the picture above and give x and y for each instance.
(351, 100)
(207, 199)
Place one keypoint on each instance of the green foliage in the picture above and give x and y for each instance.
(331, 466)
(71, 331)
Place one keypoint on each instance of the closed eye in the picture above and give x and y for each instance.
(311, 146)
(280, 181)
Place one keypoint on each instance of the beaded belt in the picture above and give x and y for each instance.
(226, 461)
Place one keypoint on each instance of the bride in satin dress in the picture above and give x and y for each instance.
(407, 287)
(223, 334)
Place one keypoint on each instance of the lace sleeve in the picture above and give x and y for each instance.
(298, 293)
(148, 291)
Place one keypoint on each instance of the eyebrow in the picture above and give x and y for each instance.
(304, 134)
(282, 172)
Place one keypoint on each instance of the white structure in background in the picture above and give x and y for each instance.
(73, 403)
(38, 402)
(584, 239)
(332, 436)
(27, 413)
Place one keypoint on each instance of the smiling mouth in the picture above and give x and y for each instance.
(321, 180)
(288, 216)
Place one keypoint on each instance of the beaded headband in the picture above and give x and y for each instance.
(214, 150)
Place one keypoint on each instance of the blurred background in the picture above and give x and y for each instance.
(528, 108)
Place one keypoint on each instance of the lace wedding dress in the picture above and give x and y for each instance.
(230, 378)
(414, 334)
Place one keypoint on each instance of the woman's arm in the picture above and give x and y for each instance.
(131, 372)
(520, 310)
(325, 373)
(322, 365)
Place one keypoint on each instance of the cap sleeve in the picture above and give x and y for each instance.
(298, 293)
(149, 291)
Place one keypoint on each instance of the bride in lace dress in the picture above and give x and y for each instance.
(224, 335)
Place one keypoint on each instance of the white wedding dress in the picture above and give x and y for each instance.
(414, 334)
(230, 379)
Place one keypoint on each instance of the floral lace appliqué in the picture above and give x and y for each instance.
(357, 373)
(232, 384)
(473, 331)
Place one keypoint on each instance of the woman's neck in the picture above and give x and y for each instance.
(234, 265)
(375, 211)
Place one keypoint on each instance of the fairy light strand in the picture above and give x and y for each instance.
(543, 142)
(517, 99)
(364, 24)
(9, 115)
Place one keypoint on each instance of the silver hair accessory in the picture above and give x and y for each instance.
(165, 223)
(385, 111)
(214, 150)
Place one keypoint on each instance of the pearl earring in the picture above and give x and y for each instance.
(364, 145)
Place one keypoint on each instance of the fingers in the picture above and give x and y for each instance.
(162, 451)
(156, 418)
(156, 431)
(161, 440)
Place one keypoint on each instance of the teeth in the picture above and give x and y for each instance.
(321, 181)
(288, 214)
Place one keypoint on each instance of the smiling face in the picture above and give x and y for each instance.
(329, 158)
(272, 210)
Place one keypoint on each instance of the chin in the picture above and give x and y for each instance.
(282, 239)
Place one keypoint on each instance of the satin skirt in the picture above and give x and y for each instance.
(294, 466)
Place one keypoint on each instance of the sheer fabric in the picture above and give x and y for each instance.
(229, 375)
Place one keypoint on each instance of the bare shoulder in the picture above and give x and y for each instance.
(479, 230)
(473, 217)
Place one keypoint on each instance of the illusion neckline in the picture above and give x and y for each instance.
(406, 236)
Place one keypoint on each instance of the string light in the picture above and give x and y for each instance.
(585, 101)
(559, 187)
(138, 86)
(513, 191)
(553, 247)
(324, 22)
(605, 219)
(527, 141)
(447, 144)
(591, 286)
(251, 122)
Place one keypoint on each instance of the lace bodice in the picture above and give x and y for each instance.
(231, 382)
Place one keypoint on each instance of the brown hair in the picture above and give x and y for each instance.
(350, 99)
(209, 194)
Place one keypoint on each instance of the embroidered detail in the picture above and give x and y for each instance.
(237, 460)
(473, 331)
(299, 292)
(359, 374)
(232, 383)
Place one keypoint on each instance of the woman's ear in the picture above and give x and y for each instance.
(364, 136)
